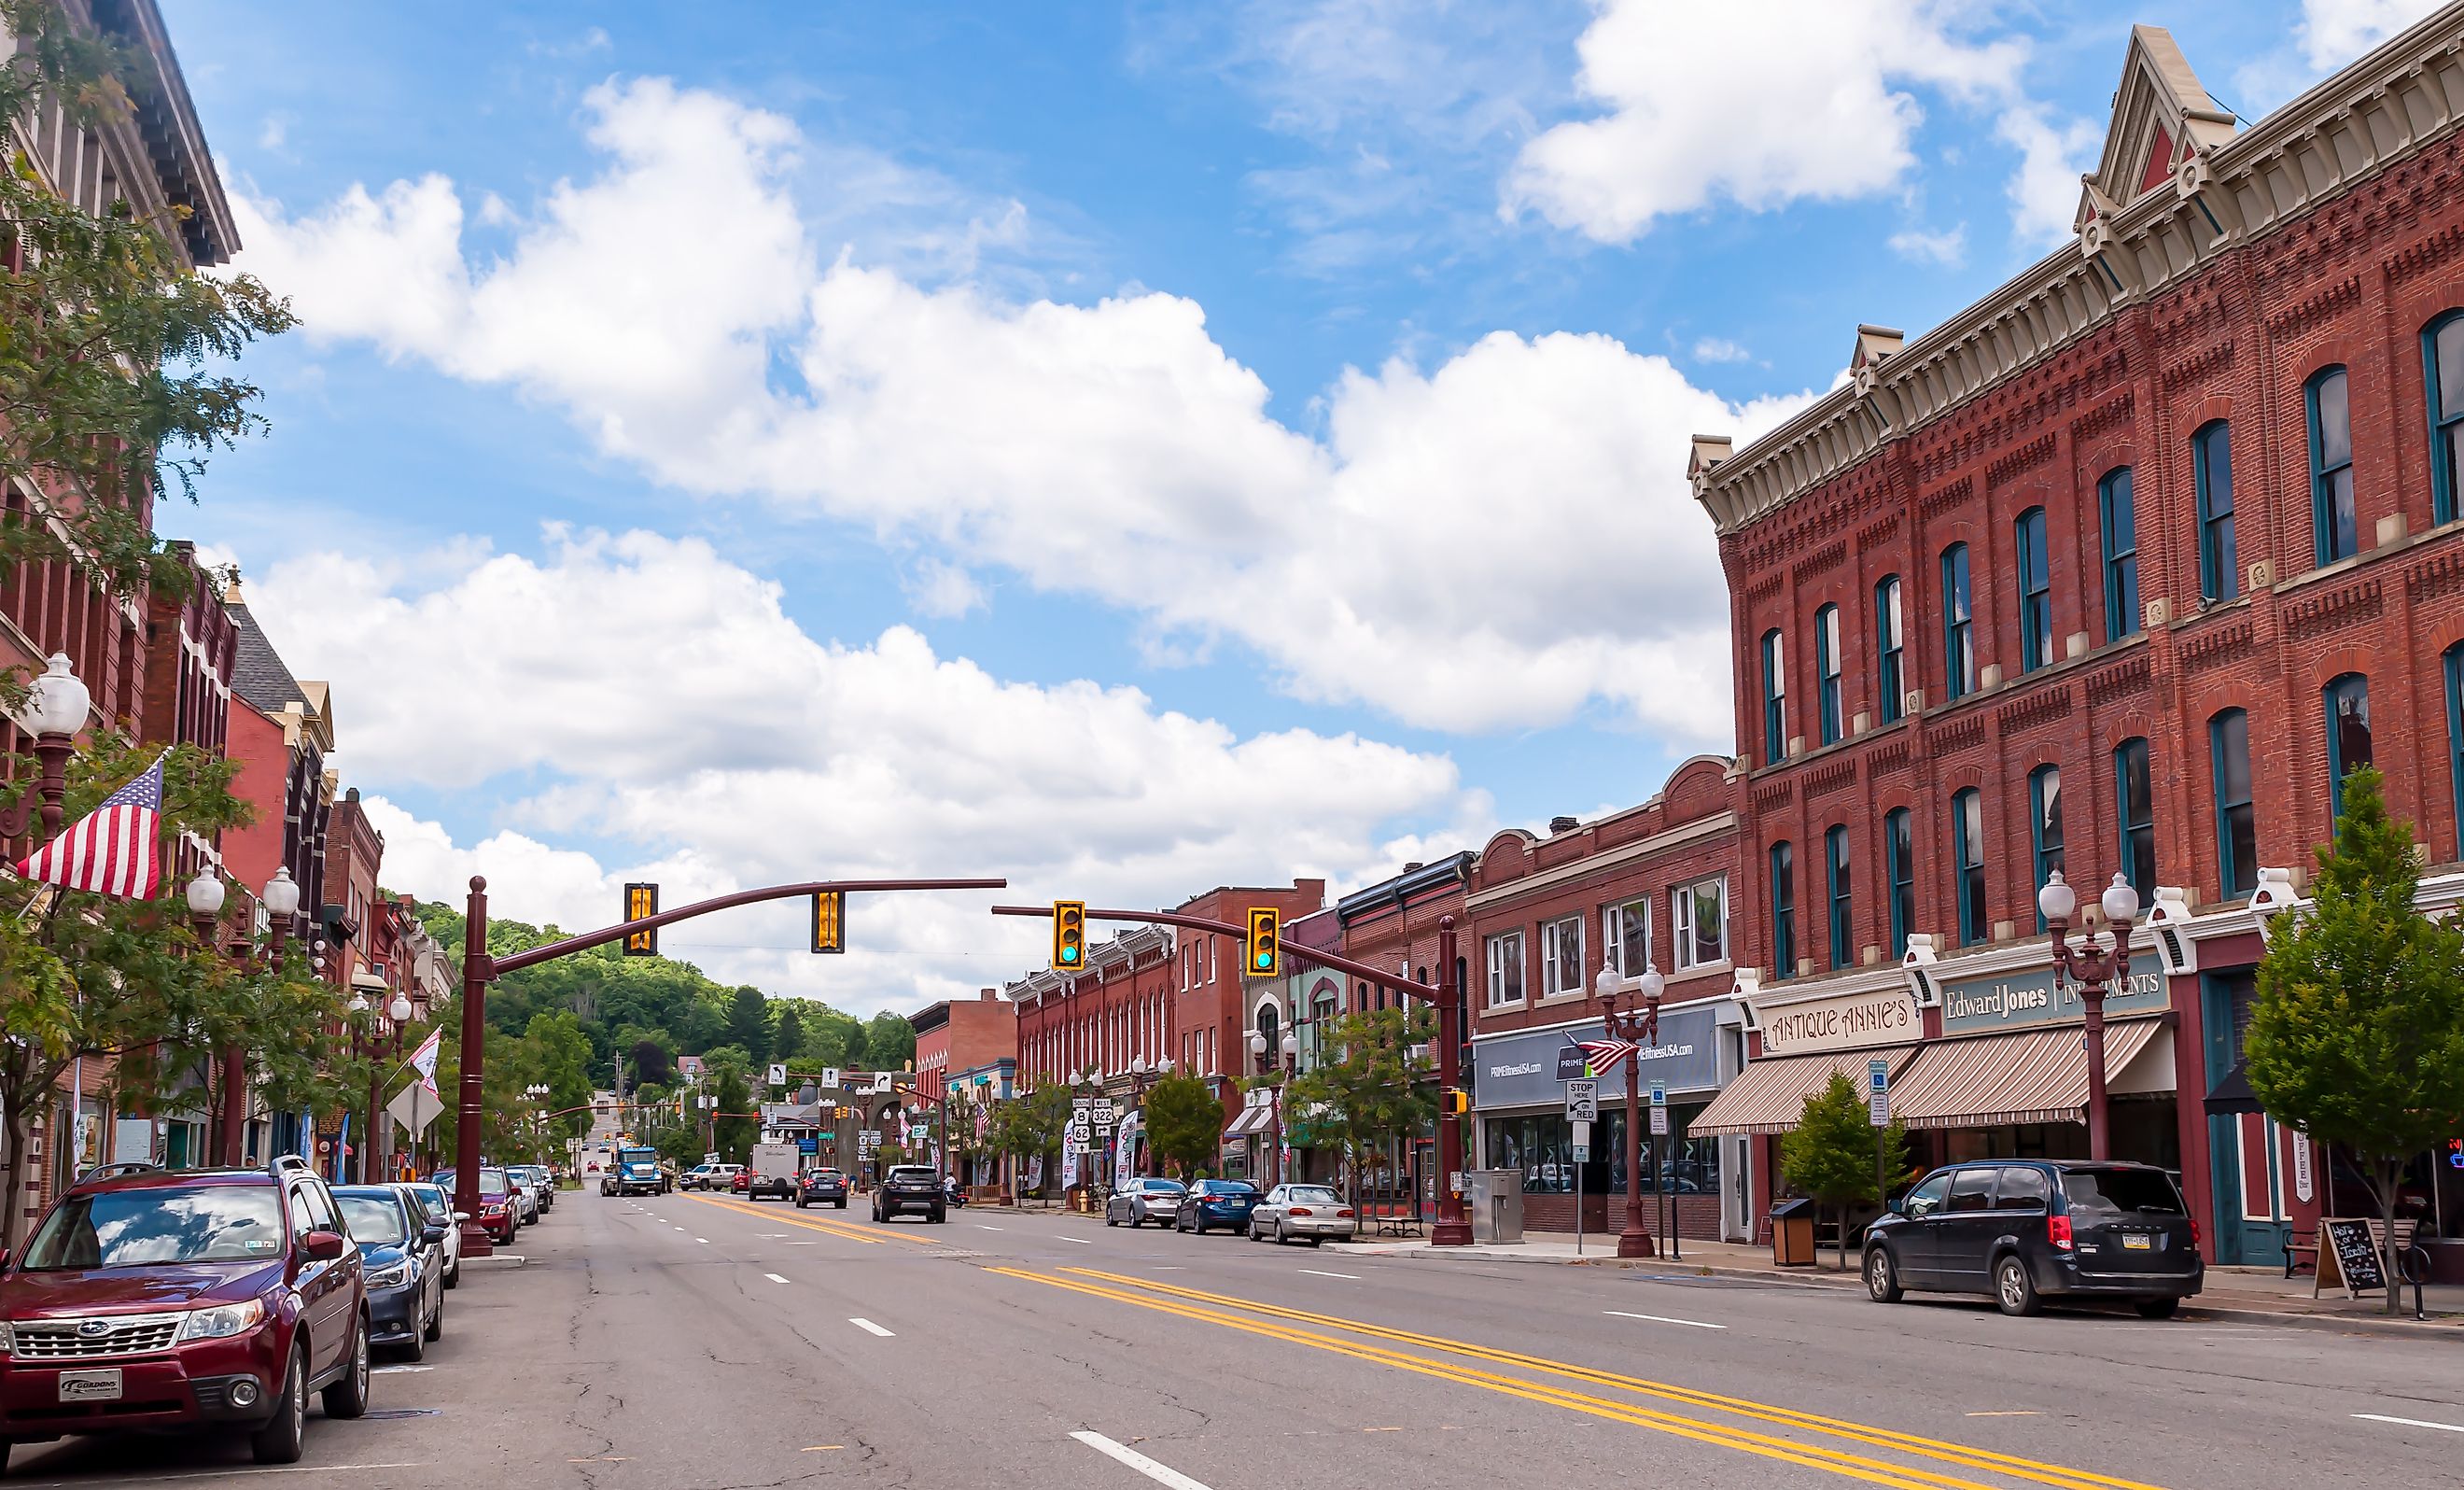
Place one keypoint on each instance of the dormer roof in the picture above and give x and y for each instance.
(2162, 117)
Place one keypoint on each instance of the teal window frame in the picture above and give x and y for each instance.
(2211, 475)
(1826, 671)
(2444, 407)
(1836, 874)
(1890, 645)
(1968, 865)
(2355, 687)
(2134, 815)
(2036, 592)
(1958, 624)
(2452, 666)
(2118, 516)
(1899, 867)
(1783, 894)
(2335, 520)
(2237, 818)
(2045, 834)
(1774, 653)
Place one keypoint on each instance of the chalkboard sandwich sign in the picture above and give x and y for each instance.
(2352, 1252)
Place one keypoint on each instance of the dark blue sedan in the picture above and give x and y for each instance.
(1213, 1204)
(402, 1254)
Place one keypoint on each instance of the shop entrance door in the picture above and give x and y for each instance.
(2245, 1146)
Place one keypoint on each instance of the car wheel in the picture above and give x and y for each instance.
(2157, 1309)
(1283, 1238)
(842, 1205)
(436, 1320)
(454, 1274)
(941, 1216)
(1317, 1241)
(417, 1348)
(1881, 1276)
(280, 1439)
(1110, 1219)
(2014, 1290)
(348, 1398)
(1198, 1227)
(1253, 1232)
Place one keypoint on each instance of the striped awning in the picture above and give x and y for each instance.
(1769, 1096)
(1252, 1119)
(2030, 1076)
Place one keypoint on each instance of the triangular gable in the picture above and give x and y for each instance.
(2162, 115)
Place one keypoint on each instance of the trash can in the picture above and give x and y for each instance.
(1792, 1224)
(1493, 1201)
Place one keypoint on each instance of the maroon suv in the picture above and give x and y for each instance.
(148, 1300)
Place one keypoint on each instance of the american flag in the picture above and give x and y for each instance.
(114, 850)
(1605, 1056)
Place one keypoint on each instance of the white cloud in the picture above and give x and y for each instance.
(1761, 102)
(666, 700)
(944, 590)
(2335, 31)
(1459, 549)
(1948, 248)
(2044, 191)
(1719, 348)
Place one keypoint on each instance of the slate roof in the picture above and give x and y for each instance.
(260, 675)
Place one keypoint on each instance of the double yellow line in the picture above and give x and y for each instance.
(1269, 1320)
(869, 1235)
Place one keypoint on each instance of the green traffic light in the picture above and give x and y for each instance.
(1068, 954)
(1266, 959)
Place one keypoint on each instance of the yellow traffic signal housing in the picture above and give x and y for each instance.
(642, 901)
(1070, 936)
(1266, 942)
(829, 921)
(1454, 1102)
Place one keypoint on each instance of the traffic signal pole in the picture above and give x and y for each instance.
(480, 968)
(1453, 1228)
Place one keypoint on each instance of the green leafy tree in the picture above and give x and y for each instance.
(1367, 1091)
(1030, 1126)
(1831, 1155)
(1185, 1124)
(889, 1042)
(2357, 1035)
(735, 1135)
(117, 362)
(787, 1040)
(748, 1025)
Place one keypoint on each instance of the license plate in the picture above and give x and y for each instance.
(2138, 1243)
(90, 1386)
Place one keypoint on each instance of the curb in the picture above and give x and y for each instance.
(494, 1260)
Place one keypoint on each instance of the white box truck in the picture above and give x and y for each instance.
(775, 1166)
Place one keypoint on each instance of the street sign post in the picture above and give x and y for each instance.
(1582, 1150)
(1878, 1114)
(1659, 1131)
(1582, 1102)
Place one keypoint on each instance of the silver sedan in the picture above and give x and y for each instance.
(1310, 1212)
(1139, 1201)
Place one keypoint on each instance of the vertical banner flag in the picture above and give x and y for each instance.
(117, 848)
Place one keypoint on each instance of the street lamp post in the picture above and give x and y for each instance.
(56, 705)
(1288, 1050)
(205, 897)
(537, 1092)
(1637, 1027)
(2093, 969)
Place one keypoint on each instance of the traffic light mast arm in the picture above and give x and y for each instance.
(1383, 977)
(514, 961)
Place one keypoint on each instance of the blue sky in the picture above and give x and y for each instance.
(1134, 447)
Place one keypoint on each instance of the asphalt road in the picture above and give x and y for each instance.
(689, 1342)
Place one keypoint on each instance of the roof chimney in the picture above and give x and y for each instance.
(985, 995)
(1414, 867)
(1558, 824)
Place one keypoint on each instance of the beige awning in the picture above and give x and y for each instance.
(1252, 1119)
(2030, 1076)
(1769, 1096)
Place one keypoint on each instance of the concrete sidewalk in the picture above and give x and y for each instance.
(2233, 1292)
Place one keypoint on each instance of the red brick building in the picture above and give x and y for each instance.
(1087, 1029)
(1214, 1002)
(2119, 569)
(1651, 886)
(958, 1037)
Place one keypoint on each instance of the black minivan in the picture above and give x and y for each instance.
(2021, 1230)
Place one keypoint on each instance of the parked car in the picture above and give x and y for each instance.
(1140, 1200)
(439, 1207)
(741, 1181)
(1215, 1203)
(526, 1194)
(2023, 1230)
(148, 1301)
(500, 1213)
(542, 1183)
(1313, 1213)
(822, 1186)
(911, 1187)
(403, 1254)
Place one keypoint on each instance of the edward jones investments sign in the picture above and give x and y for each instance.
(1886, 1016)
(2040, 995)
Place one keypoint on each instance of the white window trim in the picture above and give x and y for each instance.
(1613, 934)
(1681, 920)
(1496, 972)
(1552, 956)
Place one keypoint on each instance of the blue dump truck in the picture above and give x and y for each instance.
(638, 1172)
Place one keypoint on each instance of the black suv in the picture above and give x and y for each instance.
(911, 1187)
(2020, 1230)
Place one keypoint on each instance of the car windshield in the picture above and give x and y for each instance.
(2097, 1192)
(491, 1182)
(1310, 1192)
(141, 1228)
(372, 1218)
(1227, 1187)
(1164, 1186)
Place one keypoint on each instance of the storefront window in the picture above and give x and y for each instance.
(1681, 1165)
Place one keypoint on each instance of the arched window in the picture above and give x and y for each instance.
(2035, 592)
(2442, 359)
(1835, 844)
(1783, 914)
(1890, 642)
(2349, 735)
(2211, 473)
(1900, 867)
(1958, 625)
(2134, 801)
(2045, 823)
(1270, 1028)
(2327, 398)
(2236, 828)
(1826, 670)
(1967, 865)
(1774, 697)
(2118, 516)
